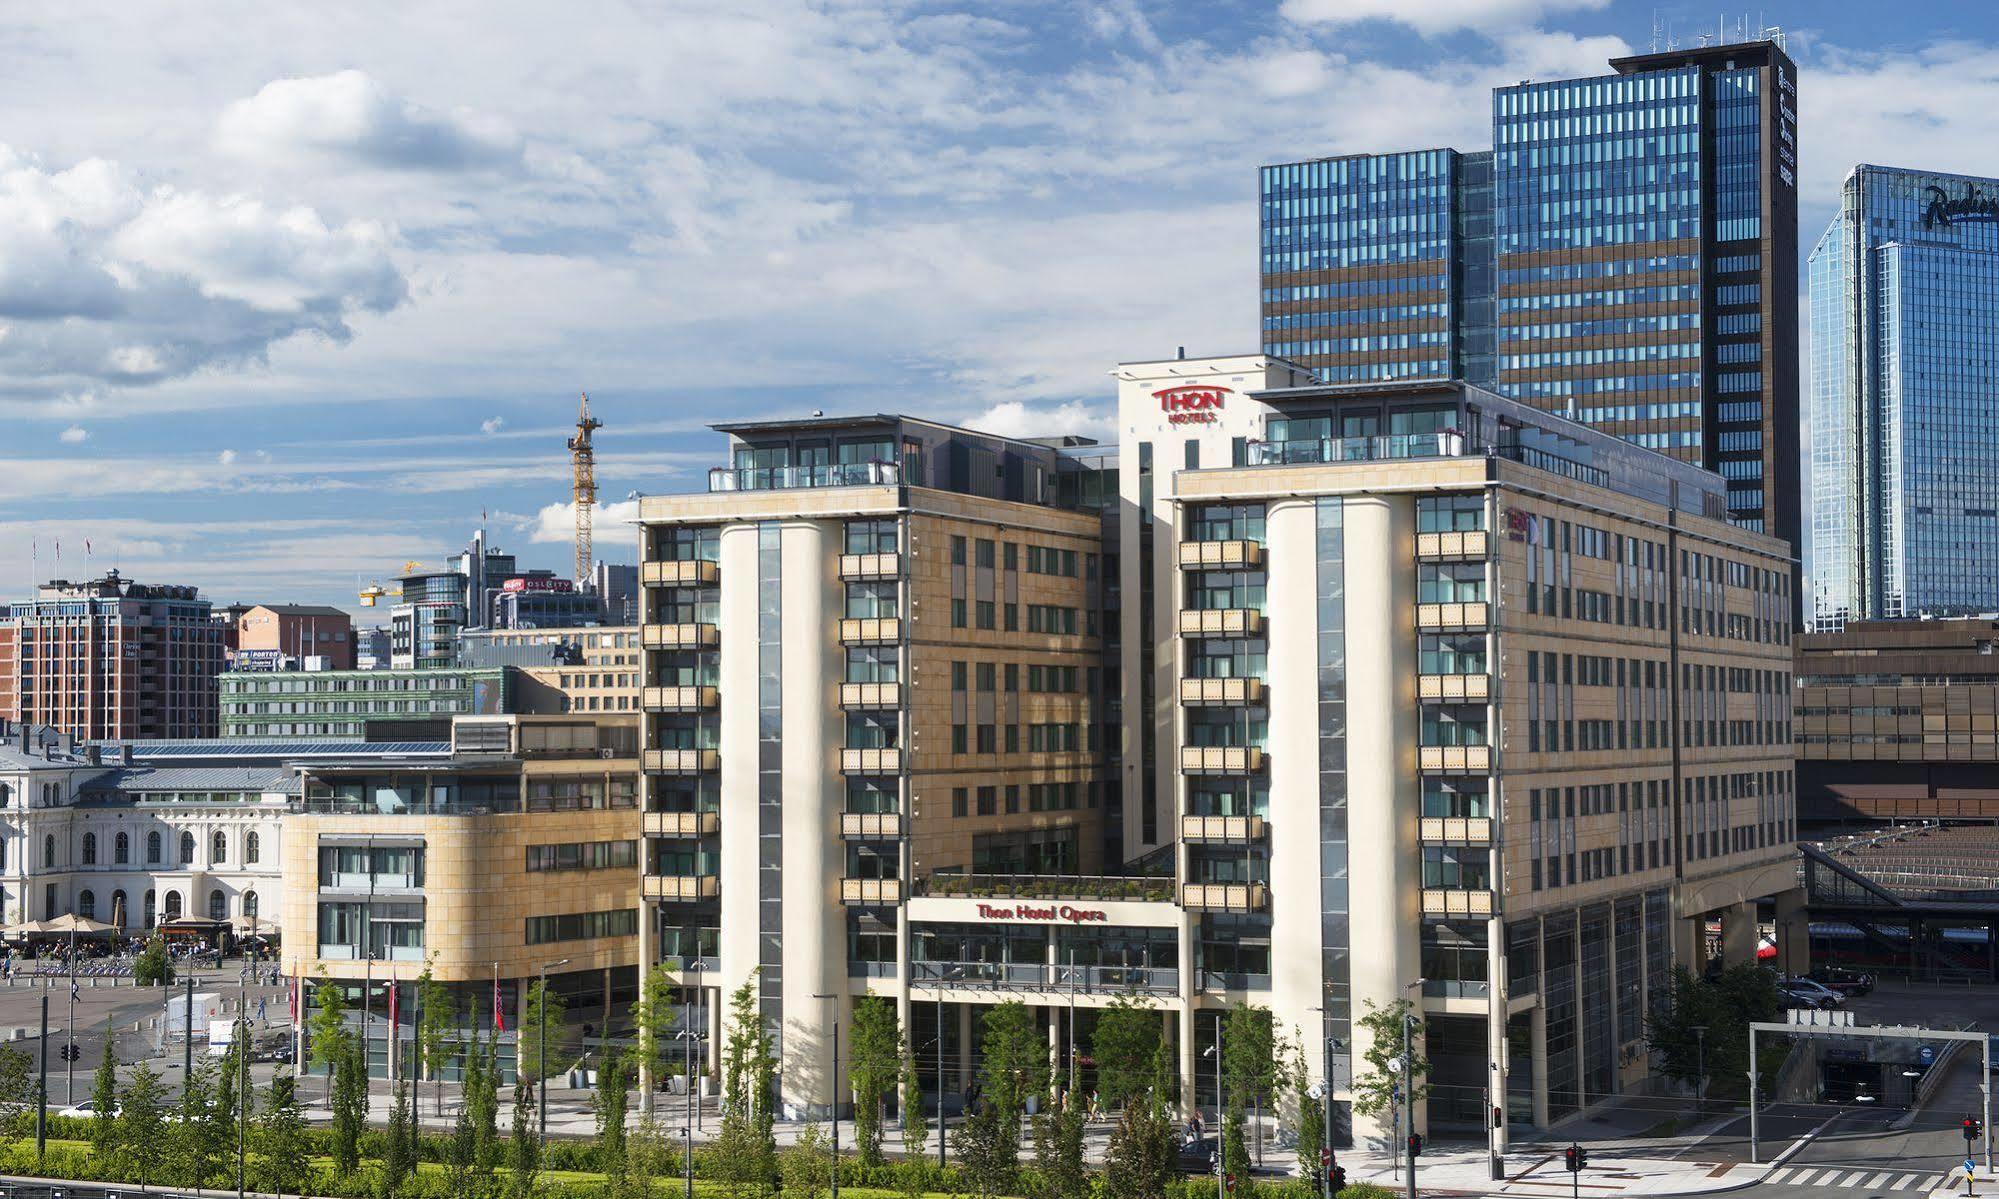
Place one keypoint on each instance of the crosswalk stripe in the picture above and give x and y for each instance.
(1877, 1180)
(1904, 1181)
(1816, 1177)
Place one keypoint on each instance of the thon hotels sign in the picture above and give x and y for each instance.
(1945, 210)
(1193, 404)
(1028, 911)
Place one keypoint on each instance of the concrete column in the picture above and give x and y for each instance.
(648, 915)
(1538, 1045)
(964, 1046)
(1297, 972)
(1495, 1029)
(738, 801)
(1382, 795)
(1690, 942)
(1738, 934)
(1794, 932)
(1187, 1060)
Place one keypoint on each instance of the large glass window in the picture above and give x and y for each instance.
(1450, 582)
(1451, 653)
(1454, 867)
(871, 536)
(1453, 724)
(874, 664)
(865, 600)
(1208, 590)
(1225, 522)
(1449, 513)
(1227, 658)
(1455, 796)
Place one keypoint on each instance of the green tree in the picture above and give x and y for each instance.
(17, 1090)
(1311, 1120)
(437, 1017)
(988, 1144)
(1128, 1032)
(153, 968)
(523, 1146)
(225, 1111)
(652, 1014)
(482, 1099)
(104, 1097)
(1379, 1090)
(649, 1156)
(744, 1151)
(805, 1166)
(461, 1156)
(284, 1152)
(350, 1109)
(1235, 1152)
(1141, 1158)
(1722, 1009)
(1015, 1056)
(876, 1060)
(1250, 1056)
(915, 1122)
(610, 1104)
(541, 1032)
(1058, 1154)
(399, 1142)
(328, 1039)
(196, 1148)
(142, 1125)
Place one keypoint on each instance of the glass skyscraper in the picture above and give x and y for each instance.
(1904, 289)
(1625, 255)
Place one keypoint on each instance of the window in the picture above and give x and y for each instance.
(152, 851)
(218, 905)
(173, 905)
(252, 850)
(218, 848)
(582, 926)
(121, 849)
(871, 536)
(187, 849)
(250, 903)
(90, 849)
(48, 853)
(152, 908)
(957, 551)
(86, 905)
(985, 553)
(1449, 513)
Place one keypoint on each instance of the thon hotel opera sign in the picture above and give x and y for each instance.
(1193, 404)
(1034, 912)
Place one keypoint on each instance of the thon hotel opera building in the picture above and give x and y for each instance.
(1447, 697)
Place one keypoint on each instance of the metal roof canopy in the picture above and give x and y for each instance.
(1892, 1031)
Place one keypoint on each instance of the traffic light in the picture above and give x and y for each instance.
(1415, 1143)
(1339, 1179)
(1972, 1128)
(1575, 1157)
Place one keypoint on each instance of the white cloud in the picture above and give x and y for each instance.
(226, 457)
(351, 116)
(1432, 16)
(74, 435)
(610, 526)
(1012, 418)
(492, 424)
(1290, 73)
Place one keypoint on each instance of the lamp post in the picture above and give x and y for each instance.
(1326, 1111)
(1700, 1065)
(1221, 1167)
(541, 1048)
(833, 1090)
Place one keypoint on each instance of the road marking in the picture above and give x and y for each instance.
(1877, 1180)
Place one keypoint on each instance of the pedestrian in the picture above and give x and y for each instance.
(262, 1008)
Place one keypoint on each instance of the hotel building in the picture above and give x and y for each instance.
(1448, 698)
(1625, 255)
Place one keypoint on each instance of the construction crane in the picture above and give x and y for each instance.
(584, 461)
(374, 591)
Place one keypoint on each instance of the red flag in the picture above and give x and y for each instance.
(291, 997)
(499, 1009)
(392, 1009)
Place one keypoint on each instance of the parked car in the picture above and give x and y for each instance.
(85, 1110)
(1810, 994)
(1197, 1155)
(1842, 980)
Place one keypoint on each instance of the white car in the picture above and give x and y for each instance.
(85, 1110)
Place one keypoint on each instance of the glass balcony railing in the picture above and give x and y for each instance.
(1304, 451)
(831, 474)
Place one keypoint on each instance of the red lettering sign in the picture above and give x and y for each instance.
(1192, 404)
(1028, 911)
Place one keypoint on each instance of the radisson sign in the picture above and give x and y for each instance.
(1944, 212)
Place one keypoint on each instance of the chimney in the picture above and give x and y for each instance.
(124, 755)
(93, 754)
(25, 734)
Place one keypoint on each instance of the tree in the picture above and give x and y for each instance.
(284, 1153)
(1380, 1089)
(1235, 1151)
(988, 1150)
(1250, 1056)
(610, 1105)
(1015, 1057)
(1311, 1126)
(437, 1018)
(350, 1109)
(1058, 1154)
(915, 1122)
(461, 1155)
(1141, 1159)
(745, 1150)
(224, 1111)
(482, 1099)
(1722, 1009)
(196, 1147)
(745, 1157)
(541, 1032)
(153, 968)
(1127, 1034)
(17, 1090)
(648, 1157)
(652, 1015)
(876, 1060)
(328, 1040)
(142, 1124)
(399, 1143)
(523, 1146)
(805, 1166)
(104, 1097)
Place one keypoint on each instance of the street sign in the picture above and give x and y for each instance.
(1316, 1091)
(1927, 1055)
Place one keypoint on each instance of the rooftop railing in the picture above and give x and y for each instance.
(1392, 446)
(831, 474)
(1047, 886)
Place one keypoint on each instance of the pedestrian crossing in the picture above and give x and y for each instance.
(1846, 1178)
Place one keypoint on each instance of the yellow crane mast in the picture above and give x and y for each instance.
(583, 458)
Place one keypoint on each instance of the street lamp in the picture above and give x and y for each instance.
(833, 1092)
(1221, 1181)
(1700, 1065)
(541, 1047)
(1326, 1112)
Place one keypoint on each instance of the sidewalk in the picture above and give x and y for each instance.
(1538, 1170)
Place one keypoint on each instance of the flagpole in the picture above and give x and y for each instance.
(69, 1047)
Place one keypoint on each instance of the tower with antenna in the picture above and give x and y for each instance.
(583, 461)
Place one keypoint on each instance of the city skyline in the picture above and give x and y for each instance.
(321, 303)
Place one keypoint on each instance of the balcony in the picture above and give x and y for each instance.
(1147, 888)
(1460, 758)
(682, 761)
(1039, 976)
(870, 566)
(871, 890)
(871, 761)
(1453, 687)
(1220, 759)
(688, 635)
(1221, 555)
(870, 695)
(682, 824)
(1451, 901)
(1446, 444)
(686, 572)
(871, 826)
(1222, 829)
(1224, 897)
(1212, 693)
(829, 474)
(1455, 545)
(679, 699)
(1220, 622)
(682, 888)
(1470, 614)
(870, 630)
(1456, 830)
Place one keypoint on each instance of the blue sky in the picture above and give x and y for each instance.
(290, 294)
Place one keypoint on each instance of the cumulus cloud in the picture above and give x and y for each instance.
(226, 457)
(1013, 418)
(492, 424)
(103, 280)
(612, 525)
(1431, 16)
(350, 115)
(73, 435)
